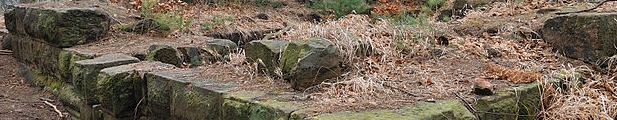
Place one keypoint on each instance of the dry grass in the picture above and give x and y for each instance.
(580, 96)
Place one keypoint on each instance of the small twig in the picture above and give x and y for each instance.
(467, 105)
(55, 108)
(47, 99)
(138, 103)
(585, 10)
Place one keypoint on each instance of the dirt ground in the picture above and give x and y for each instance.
(20, 101)
(410, 67)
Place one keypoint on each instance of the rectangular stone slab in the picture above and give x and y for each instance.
(121, 88)
(184, 95)
(85, 73)
(441, 110)
(36, 54)
(59, 27)
(258, 105)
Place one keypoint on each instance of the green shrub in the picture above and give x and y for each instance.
(340, 7)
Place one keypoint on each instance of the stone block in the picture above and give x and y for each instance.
(520, 102)
(120, 89)
(164, 53)
(36, 54)
(85, 73)
(58, 27)
(309, 62)
(266, 53)
(586, 36)
(258, 105)
(441, 110)
(172, 94)
(66, 62)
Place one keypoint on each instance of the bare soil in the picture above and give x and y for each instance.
(20, 101)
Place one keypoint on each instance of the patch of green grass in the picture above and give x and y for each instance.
(340, 7)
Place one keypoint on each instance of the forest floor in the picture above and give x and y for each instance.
(414, 59)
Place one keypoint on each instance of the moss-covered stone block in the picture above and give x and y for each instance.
(58, 27)
(586, 36)
(85, 73)
(68, 95)
(35, 77)
(177, 95)
(309, 62)
(196, 98)
(520, 102)
(159, 90)
(36, 54)
(164, 53)
(66, 62)
(266, 53)
(120, 89)
(258, 105)
(441, 110)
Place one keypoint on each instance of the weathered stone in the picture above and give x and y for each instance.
(59, 27)
(309, 62)
(66, 62)
(266, 53)
(35, 77)
(120, 88)
(68, 95)
(586, 36)
(166, 54)
(442, 110)
(191, 55)
(6, 42)
(219, 48)
(171, 95)
(522, 102)
(257, 105)
(85, 73)
(37, 54)
(482, 87)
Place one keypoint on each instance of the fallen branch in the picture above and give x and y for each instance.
(55, 108)
(585, 10)
(467, 104)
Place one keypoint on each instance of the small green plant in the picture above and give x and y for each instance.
(446, 18)
(340, 7)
